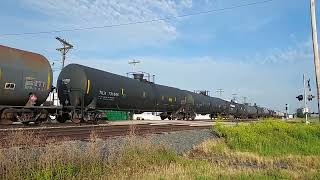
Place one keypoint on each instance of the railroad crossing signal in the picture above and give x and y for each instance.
(310, 97)
(300, 97)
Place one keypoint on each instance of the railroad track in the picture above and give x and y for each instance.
(68, 133)
(50, 124)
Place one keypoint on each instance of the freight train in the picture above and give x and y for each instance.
(84, 92)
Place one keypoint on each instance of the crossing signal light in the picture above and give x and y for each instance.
(310, 97)
(300, 97)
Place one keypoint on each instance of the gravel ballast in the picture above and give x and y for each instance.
(179, 141)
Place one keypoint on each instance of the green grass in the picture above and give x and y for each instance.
(273, 138)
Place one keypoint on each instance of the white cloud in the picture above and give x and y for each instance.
(87, 13)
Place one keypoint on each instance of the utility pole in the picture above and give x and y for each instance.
(134, 63)
(315, 49)
(220, 91)
(64, 50)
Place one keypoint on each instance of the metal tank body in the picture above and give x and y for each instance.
(252, 111)
(259, 111)
(240, 111)
(266, 112)
(232, 108)
(104, 90)
(23, 73)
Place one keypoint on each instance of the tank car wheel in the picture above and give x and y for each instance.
(62, 118)
(43, 117)
(6, 117)
(76, 118)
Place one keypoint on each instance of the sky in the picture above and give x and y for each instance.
(259, 51)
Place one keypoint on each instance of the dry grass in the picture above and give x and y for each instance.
(27, 157)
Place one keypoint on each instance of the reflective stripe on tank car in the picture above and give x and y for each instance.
(122, 92)
(88, 86)
(49, 80)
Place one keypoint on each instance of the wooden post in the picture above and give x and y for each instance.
(315, 49)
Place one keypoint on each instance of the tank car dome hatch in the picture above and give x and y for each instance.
(203, 92)
(141, 76)
(138, 76)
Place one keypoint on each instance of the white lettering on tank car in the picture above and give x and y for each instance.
(113, 94)
(107, 96)
(102, 93)
(33, 84)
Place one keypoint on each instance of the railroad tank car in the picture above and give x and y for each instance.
(266, 112)
(251, 111)
(25, 82)
(77, 84)
(23, 73)
(260, 111)
(205, 104)
(86, 88)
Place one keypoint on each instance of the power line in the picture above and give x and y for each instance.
(139, 22)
